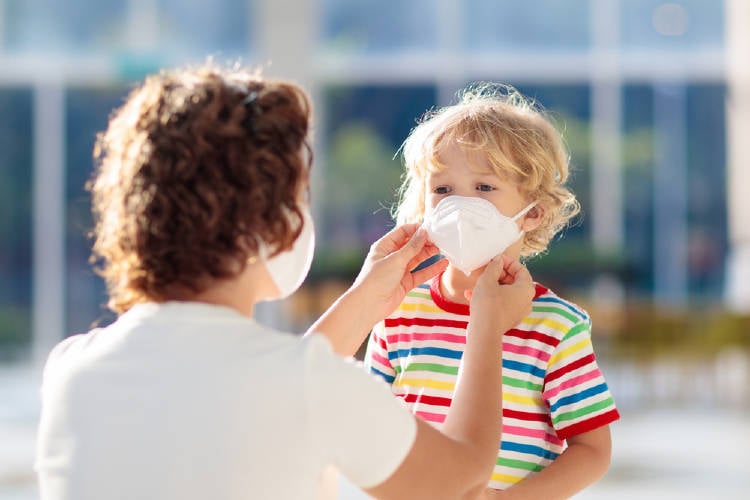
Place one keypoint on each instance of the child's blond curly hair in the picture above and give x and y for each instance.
(519, 142)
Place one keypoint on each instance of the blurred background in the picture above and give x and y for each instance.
(653, 98)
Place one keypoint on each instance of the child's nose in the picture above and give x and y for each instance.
(465, 191)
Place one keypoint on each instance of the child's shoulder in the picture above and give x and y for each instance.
(417, 301)
(547, 302)
(420, 293)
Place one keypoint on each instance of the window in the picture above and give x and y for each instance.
(365, 128)
(15, 219)
(75, 25)
(87, 113)
(678, 25)
(378, 25)
(532, 25)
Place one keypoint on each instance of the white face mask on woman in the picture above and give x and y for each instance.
(289, 268)
(470, 231)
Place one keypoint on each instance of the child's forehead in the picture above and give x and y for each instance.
(446, 156)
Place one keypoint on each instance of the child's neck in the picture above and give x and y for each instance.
(454, 284)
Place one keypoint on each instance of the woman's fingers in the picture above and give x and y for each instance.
(395, 239)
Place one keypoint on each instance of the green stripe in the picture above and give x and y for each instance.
(579, 328)
(584, 411)
(429, 367)
(523, 384)
(420, 295)
(556, 310)
(519, 464)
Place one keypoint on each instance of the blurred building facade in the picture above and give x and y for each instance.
(640, 88)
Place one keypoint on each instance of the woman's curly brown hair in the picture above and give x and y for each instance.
(196, 169)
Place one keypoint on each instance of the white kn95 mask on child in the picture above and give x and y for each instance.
(470, 231)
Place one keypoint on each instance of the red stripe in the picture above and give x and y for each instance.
(450, 323)
(569, 368)
(463, 309)
(532, 335)
(539, 290)
(527, 416)
(589, 425)
(380, 340)
(430, 400)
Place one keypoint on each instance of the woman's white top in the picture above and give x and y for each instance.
(194, 401)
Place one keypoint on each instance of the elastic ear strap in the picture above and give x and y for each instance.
(525, 210)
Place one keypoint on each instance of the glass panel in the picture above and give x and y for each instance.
(707, 210)
(219, 27)
(682, 24)
(51, 25)
(181, 26)
(638, 163)
(568, 262)
(365, 127)
(378, 25)
(15, 220)
(87, 113)
(508, 23)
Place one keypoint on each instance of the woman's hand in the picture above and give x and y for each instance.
(386, 276)
(503, 294)
(382, 284)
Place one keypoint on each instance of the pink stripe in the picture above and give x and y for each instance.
(532, 433)
(575, 381)
(409, 337)
(430, 417)
(526, 351)
(381, 359)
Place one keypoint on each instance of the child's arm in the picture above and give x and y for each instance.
(382, 284)
(584, 462)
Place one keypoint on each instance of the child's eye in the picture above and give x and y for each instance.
(485, 187)
(441, 190)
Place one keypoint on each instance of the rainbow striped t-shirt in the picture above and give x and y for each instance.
(552, 386)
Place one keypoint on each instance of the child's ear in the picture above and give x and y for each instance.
(533, 218)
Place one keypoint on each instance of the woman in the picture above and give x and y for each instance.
(200, 201)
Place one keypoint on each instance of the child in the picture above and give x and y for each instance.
(487, 175)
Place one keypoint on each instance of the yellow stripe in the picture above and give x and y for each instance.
(418, 307)
(524, 400)
(505, 478)
(570, 350)
(556, 325)
(424, 382)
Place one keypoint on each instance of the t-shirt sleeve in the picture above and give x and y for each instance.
(362, 428)
(59, 351)
(376, 357)
(574, 387)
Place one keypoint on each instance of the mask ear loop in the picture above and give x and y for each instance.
(522, 213)
(525, 210)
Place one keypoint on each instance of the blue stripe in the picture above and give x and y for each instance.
(387, 378)
(580, 396)
(528, 449)
(523, 367)
(430, 351)
(565, 304)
